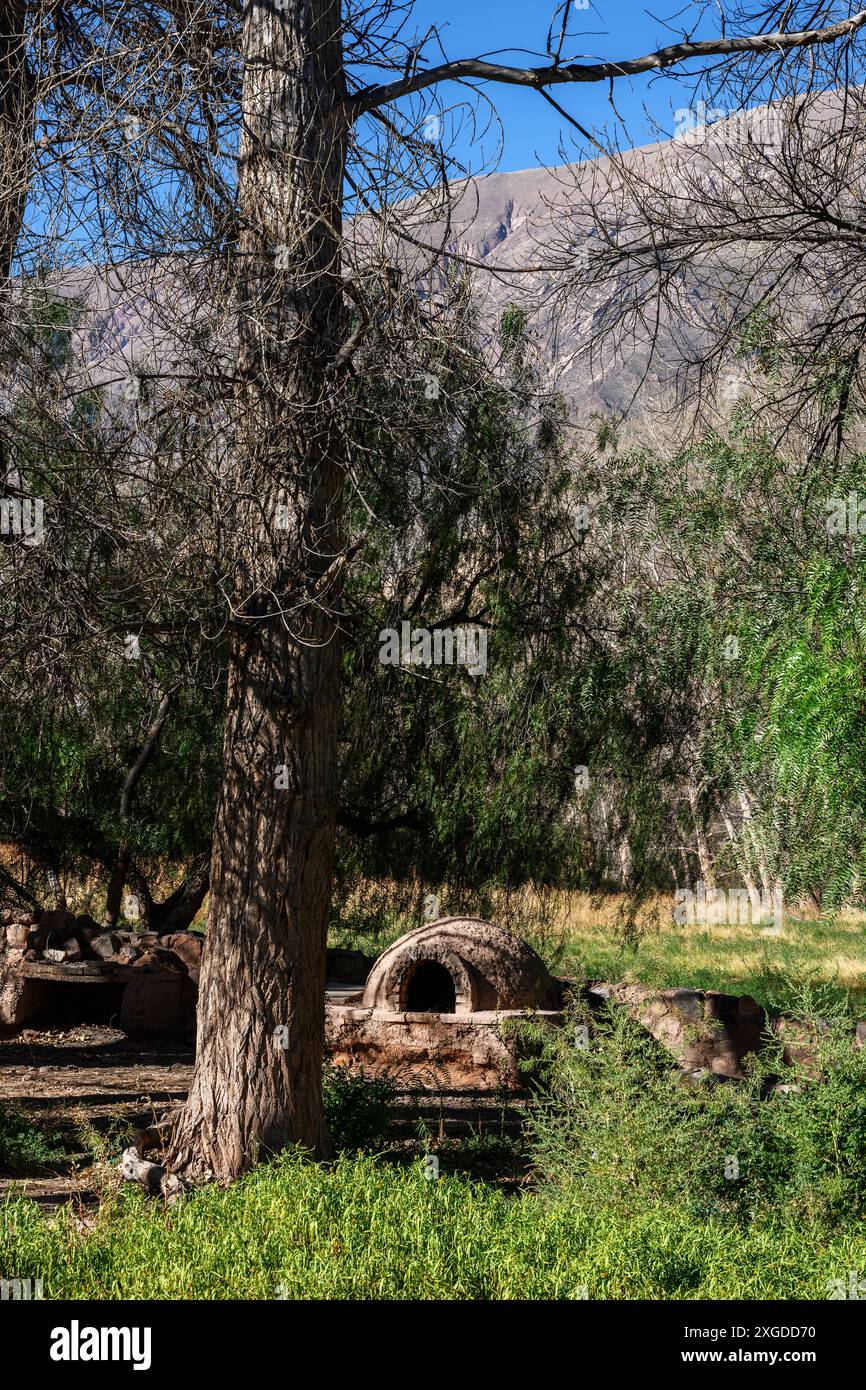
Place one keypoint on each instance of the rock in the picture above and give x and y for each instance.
(186, 946)
(17, 934)
(128, 954)
(16, 916)
(161, 959)
(699, 1076)
(168, 961)
(137, 1169)
(105, 946)
(58, 925)
(690, 1002)
(860, 1034)
(149, 960)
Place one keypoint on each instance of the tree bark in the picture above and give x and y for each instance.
(705, 858)
(117, 881)
(258, 1079)
(16, 132)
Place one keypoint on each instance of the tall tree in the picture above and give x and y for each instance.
(16, 130)
(273, 853)
(111, 72)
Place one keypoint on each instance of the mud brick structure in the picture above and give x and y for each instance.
(435, 1006)
(56, 968)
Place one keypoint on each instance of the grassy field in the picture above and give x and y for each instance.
(579, 934)
(741, 958)
(367, 1229)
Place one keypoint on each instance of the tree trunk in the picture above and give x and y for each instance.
(16, 132)
(120, 872)
(744, 866)
(745, 800)
(705, 858)
(258, 1079)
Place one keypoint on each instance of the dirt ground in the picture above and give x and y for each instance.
(92, 1078)
(92, 1082)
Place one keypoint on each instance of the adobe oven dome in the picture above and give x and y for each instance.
(459, 965)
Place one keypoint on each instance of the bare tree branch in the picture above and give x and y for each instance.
(369, 98)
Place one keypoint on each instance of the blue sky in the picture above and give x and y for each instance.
(608, 29)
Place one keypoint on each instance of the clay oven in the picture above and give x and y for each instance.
(473, 965)
(435, 1001)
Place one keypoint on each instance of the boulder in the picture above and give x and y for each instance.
(57, 925)
(128, 954)
(17, 934)
(186, 947)
(105, 946)
(11, 916)
(158, 960)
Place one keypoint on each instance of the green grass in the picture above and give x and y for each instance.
(583, 938)
(370, 1230)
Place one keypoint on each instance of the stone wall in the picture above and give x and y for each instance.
(154, 979)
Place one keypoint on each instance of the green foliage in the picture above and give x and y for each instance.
(370, 1230)
(356, 1107)
(473, 524)
(117, 556)
(24, 1145)
(738, 659)
(618, 1129)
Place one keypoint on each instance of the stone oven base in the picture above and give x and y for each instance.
(441, 1051)
(136, 1000)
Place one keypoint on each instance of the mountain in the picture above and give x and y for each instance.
(526, 235)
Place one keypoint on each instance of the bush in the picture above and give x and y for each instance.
(356, 1107)
(617, 1127)
(24, 1145)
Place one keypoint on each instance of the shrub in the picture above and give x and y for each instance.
(617, 1127)
(24, 1145)
(356, 1107)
